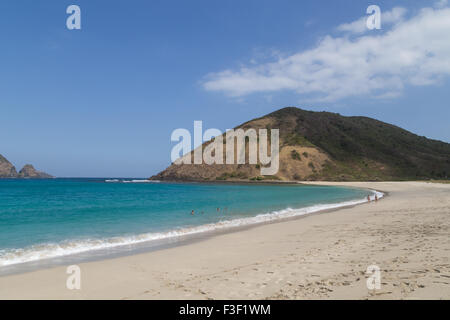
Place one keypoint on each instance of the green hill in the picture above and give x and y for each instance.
(328, 146)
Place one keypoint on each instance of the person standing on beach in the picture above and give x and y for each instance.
(368, 198)
(376, 198)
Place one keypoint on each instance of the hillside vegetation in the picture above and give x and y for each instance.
(328, 146)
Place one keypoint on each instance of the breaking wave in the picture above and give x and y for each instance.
(53, 250)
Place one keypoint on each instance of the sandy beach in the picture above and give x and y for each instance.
(321, 256)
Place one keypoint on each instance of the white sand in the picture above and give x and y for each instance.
(325, 255)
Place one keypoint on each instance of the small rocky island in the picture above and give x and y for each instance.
(7, 170)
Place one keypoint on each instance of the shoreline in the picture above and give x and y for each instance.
(191, 234)
(323, 256)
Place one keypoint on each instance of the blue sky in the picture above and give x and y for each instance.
(103, 101)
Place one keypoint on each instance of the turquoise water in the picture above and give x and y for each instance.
(49, 218)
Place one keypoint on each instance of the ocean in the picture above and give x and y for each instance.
(55, 218)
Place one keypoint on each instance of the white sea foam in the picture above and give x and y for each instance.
(46, 251)
(132, 181)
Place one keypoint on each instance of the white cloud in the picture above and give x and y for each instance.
(359, 26)
(415, 52)
(356, 27)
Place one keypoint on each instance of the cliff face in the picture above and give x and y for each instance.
(28, 171)
(328, 146)
(7, 170)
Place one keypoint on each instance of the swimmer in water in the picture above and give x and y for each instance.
(192, 212)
